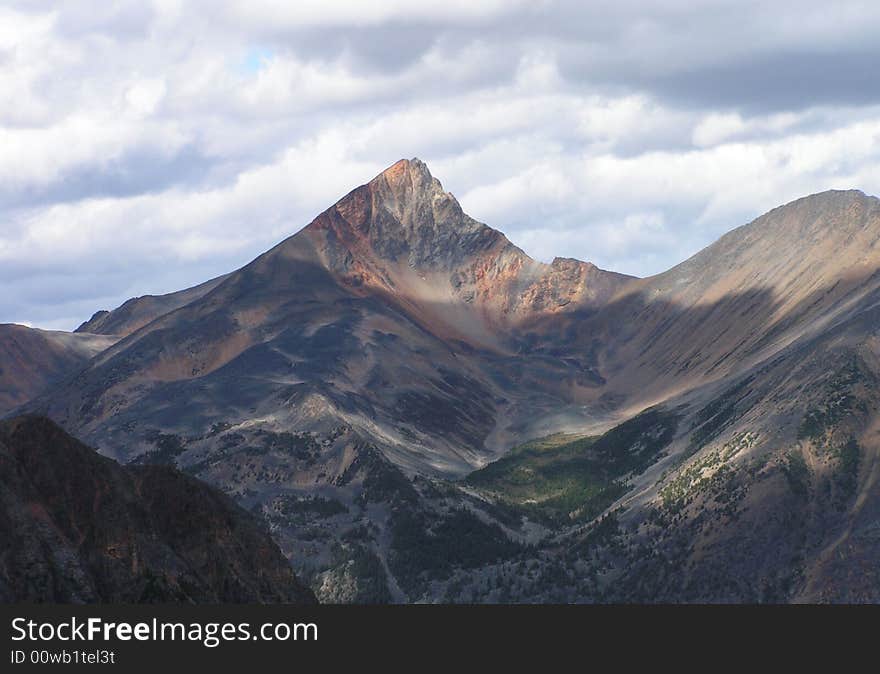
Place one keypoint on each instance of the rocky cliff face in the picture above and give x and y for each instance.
(76, 527)
(403, 236)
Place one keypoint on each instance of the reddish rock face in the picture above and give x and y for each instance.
(402, 230)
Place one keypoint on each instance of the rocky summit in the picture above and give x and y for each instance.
(419, 411)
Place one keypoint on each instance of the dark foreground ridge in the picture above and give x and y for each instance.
(77, 527)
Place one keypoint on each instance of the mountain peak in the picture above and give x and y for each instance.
(818, 217)
(404, 215)
(407, 188)
(815, 241)
(412, 170)
(825, 202)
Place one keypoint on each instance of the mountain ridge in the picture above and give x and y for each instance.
(471, 307)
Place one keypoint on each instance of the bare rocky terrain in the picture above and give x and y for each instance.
(421, 412)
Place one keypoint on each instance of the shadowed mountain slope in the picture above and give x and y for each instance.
(77, 527)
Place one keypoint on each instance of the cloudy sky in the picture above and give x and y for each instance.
(147, 146)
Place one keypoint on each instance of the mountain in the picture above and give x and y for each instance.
(31, 360)
(77, 527)
(772, 492)
(421, 412)
(790, 274)
(392, 313)
(762, 484)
